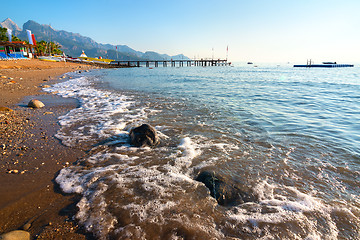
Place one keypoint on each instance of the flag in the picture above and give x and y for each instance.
(29, 37)
(9, 34)
(33, 39)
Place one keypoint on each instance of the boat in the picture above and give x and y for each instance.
(49, 59)
(250, 63)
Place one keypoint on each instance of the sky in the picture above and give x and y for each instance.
(254, 30)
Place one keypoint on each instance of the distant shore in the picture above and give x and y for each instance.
(30, 154)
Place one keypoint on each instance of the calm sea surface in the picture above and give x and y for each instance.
(290, 136)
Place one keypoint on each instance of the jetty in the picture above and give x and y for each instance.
(309, 64)
(171, 63)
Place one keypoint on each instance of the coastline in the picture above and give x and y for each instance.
(31, 156)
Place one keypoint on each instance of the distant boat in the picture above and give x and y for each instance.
(250, 63)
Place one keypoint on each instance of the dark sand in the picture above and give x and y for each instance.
(30, 155)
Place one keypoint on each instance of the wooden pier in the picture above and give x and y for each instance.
(310, 64)
(171, 63)
(324, 65)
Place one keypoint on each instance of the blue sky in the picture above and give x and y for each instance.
(254, 30)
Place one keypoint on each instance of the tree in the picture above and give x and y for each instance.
(15, 38)
(55, 48)
(3, 36)
(43, 48)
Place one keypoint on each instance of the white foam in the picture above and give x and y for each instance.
(190, 150)
(280, 204)
(102, 113)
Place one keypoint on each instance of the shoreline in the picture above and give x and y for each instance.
(31, 156)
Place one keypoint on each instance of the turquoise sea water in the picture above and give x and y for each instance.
(290, 136)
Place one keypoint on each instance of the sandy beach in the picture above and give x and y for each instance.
(30, 154)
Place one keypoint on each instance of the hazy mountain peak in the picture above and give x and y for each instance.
(9, 24)
(74, 43)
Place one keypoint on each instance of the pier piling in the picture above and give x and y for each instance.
(173, 63)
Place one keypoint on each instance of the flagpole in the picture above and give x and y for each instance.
(117, 57)
(227, 52)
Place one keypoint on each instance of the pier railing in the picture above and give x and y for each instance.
(171, 63)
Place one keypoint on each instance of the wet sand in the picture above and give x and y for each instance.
(30, 155)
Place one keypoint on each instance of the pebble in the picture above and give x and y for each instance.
(15, 235)
(5, 109)
(36, 104)
(26, 226)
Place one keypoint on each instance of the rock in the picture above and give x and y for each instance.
(144, 135)
(225, 192)
(5, 109)
(36, 104)
(26, 226)
(16, 235)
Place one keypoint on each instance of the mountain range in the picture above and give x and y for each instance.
(74, 43)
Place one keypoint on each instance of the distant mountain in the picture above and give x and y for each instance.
(126, 49)
(9, 24)
(149, 55)
(74, 43)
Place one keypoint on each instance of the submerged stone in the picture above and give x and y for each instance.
(144, 135)
(36, 104)
(225, 192)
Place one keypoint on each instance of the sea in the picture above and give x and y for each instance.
(288, 136)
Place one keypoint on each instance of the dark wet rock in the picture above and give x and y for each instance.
(224, 191)
(36, 104)
(144, 135)
(15, 235)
